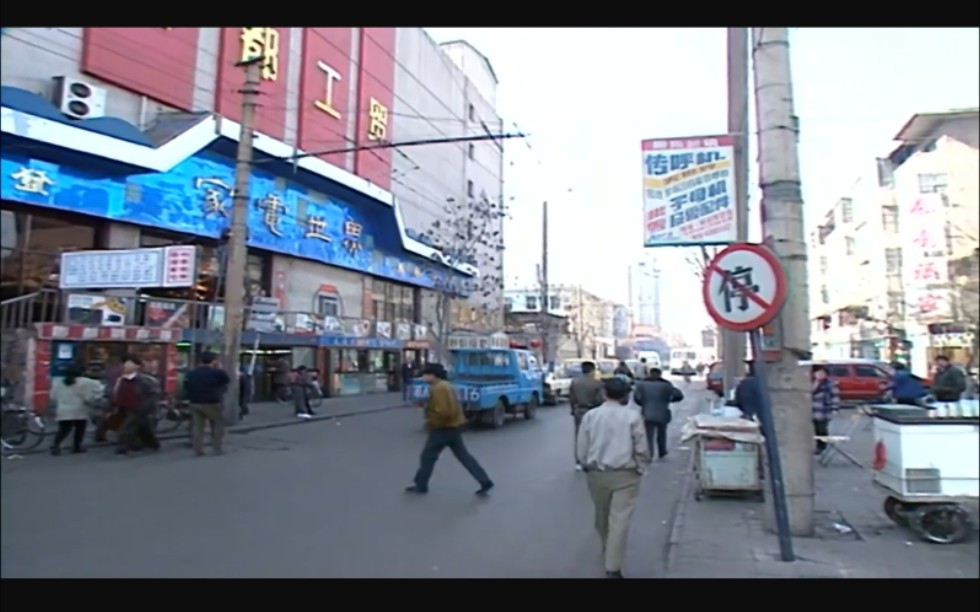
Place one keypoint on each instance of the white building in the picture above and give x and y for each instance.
(891, 259)
(590, 319)
(449, 91)
(644, 293)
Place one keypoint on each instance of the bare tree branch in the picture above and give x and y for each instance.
(469, 233)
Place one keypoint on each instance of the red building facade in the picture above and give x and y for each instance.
(343, 100)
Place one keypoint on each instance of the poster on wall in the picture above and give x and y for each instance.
(162, 313)
(84, 309)
(689, 191)
(403, 331)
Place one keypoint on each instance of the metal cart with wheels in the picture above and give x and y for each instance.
(928, 470)
(726, 458)
(936, 519)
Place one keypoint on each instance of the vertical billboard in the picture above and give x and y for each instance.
(156, 62)
(325, 86)
(272, 46)
(376, 96)
(925, 263)
(689, 191)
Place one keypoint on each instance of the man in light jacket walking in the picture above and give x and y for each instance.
(654, 396)
(612, 448)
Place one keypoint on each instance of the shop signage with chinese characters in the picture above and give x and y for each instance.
(195, 199)
(925, 262)
(173, 266)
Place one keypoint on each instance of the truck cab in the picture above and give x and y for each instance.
(492, 384)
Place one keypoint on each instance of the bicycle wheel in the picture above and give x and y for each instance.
(167, 420)
(284, 396)
(315, 400)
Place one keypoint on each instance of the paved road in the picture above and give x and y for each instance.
(324, 500)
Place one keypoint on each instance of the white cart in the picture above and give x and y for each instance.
(927, 465)
(727, 458)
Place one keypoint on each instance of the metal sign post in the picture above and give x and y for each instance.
(772, 455)
(744, 289)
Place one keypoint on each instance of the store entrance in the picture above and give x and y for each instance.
(271, 371)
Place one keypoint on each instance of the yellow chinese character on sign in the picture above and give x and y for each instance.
(216, 193)
(32, 180)
(326, 104)
(264, 43)
(378, 114)
(352, 237)
(273, 207)
(316, 227)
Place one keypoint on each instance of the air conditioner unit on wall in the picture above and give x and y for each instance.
(78, 99)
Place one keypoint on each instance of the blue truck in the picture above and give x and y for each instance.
(491, 384)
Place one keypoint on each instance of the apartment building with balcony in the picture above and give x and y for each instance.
(586, 322)
(895, 259)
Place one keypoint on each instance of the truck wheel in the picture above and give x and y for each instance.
(498, 415)
(531, 407)
(940, 523)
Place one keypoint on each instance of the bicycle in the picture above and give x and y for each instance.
(314, 395)
(170, 415)
(22, 429)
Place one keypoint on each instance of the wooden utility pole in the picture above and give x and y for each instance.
(545, 321)
(733, 343)
(782, 224)
(237, 248)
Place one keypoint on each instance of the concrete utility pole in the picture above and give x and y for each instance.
(733, 343)
(782, 223)
(237, 249)
(545, 321)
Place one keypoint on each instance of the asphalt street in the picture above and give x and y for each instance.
(326, 500)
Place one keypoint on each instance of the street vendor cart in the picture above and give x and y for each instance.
(727, 455)
(926, 463)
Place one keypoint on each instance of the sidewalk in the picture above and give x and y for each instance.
(725, 538)
(269, 415)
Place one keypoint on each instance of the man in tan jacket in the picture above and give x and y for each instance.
(444, 419)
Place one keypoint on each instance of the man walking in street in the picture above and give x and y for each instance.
(949, 383)
(584, 394)
(299, 387)
(654, 396)
(407, 375)
(612, 448)
(136, 395)
(444, 419)
(205, 387)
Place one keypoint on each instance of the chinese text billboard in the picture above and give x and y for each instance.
(376, 95)
(925, 264)
(688, 191)
(272, 46)
(325, 115)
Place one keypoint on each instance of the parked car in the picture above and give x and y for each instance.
(859, 380)
(556, 386)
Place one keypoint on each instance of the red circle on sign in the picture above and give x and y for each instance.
(770, 312)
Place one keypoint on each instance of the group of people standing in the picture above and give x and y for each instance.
(614, 444)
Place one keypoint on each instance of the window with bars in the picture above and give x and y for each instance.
(847, 210)
(933, 183)
(889, 219)
(392, 302)
(893, 261)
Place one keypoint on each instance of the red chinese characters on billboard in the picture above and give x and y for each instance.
(272, 46)
(325, 82)
(376, 96)
(156, 62)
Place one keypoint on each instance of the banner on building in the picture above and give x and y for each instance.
(925, 261)
(689, 191)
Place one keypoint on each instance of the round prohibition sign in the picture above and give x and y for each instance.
(744, 287)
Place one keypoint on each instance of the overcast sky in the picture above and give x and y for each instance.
(589, 96)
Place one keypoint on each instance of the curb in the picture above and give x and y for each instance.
(238, 429)
(677, 527)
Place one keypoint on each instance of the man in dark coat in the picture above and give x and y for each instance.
(748, 393)
(654, 395)
(585, 393)
(407, 374)
(949, 383)
(136, 395)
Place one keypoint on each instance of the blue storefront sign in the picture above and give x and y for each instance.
(194, 198)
